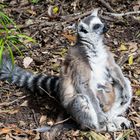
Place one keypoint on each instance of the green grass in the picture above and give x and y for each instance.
(11, 37)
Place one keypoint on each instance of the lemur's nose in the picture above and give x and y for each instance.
(105, 28)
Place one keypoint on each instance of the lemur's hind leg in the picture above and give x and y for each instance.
(83, 112)
(117, 124)
(116, 121)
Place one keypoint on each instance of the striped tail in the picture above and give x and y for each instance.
(36, 83)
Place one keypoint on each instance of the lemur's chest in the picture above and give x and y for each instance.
(99, 73)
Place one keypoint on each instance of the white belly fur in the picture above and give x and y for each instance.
(98, 73)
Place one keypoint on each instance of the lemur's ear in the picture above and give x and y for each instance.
(95, 12)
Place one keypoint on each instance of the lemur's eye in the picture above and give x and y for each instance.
(82, 29)
(97, 26)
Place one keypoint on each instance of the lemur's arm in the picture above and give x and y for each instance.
(97, 107)
(118, 78)
(117, 75)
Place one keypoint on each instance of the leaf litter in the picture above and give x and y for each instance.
(47, 56)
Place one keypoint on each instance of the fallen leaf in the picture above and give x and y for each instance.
(123, 48)
(27, 61)
(22, 123)
(136, 5)
(25, 103)
(120, 136)
(4, 131)
(93, 136)
(124, 135)
(130, 59)
(19, 134)
(29, 22)
(31, 12)
(136, 119)
(133, 46)
(138, 92)
(55, 9)
(138, 124)
(97, 136)
(16, 136)
(70, 38)
(75, 133)
(43, 119)
(50, 123)
(8, 137)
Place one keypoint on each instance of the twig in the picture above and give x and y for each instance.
(105, 4)
(48, 94)
(135, 86)
(17, 9)
(60, 122)
(48, 127)
(83, 15)
(71, 15)
(135, 129)
(9, 103)
(35, 119)
(79, 16)
(122, 14)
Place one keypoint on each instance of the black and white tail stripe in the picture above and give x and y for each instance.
(36, 83)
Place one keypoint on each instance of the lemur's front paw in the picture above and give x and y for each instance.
(125, 96)
(102, 119)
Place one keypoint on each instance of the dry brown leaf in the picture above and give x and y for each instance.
(70, 38)
(11, 136)
(138, 124)
(133, 46)
(75, 133)
(50, 123)
(8, 137)
(22, 123)
(43, 119)
(136, 5)
(4, 130)
(19, 134)
(31, 12)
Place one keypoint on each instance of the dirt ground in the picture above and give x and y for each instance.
(21, 112)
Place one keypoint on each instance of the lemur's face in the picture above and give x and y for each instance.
(91, 26)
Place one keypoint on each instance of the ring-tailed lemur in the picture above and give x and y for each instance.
(91, 86)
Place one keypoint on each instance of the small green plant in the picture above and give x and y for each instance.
(11, 37)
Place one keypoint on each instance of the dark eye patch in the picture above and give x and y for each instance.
(82, 29)
(96, 26)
